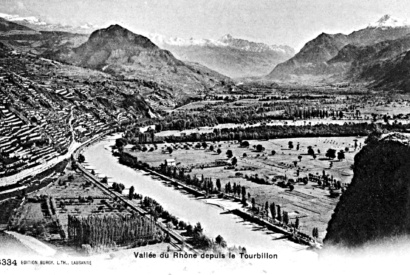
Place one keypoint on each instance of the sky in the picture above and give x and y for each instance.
(282, 22)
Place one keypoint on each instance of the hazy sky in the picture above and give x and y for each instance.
(291, 22)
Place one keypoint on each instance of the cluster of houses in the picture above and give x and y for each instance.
(86, 125)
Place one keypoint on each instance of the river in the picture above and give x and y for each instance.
(233, 229)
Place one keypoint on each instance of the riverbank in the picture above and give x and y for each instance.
(242, 212)
(180, 240)
(188, 208)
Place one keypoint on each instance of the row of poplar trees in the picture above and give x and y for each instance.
(110, 230)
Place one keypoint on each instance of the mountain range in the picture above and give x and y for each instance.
(35, 23)
(376, 56)
(230, 56)
(26, 39)
(367, 56)
(120, 52)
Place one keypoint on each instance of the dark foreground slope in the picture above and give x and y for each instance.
(377, 204)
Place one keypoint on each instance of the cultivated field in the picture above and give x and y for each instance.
(73, 195)
(311, 203)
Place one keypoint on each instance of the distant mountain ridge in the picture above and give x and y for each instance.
(339, 57)
(230, 56)
(120, 52)
(37, 24)
(11, 29)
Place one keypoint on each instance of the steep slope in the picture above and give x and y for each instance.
(120, 52)
(10, 30)
(311, 59)
(25, 39)
(230, 56)
(376, 206)
(366, 63)
(392, 74)
(320, 56)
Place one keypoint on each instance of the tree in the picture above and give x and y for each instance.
(245, 144)
(244, 155)
(182, 225)
(189, 230)
(104, 180)
(290, 145)
(273, 152)
(218, 184)
(198, 229)
(244, 203)
(81, 158)
(273, 210)
(229, 154)
(170, 150)
(219, 151)
(297, 223)
(131, 193)
(331, 153)
(204, 145)
(253, 203)
(310, 151)
(234, 161)
(211, 148)
(220, 241)
(341, 155)
(300, 158)
(285, 217)
(259, 148)
(315, 232)
(279, 213)
(120, 142)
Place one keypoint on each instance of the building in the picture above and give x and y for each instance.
(170, 162)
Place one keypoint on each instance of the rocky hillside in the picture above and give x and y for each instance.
(230, 56)
(25, 39)
(10, 30)
(377, 203)
(342, 57)
(120, 52)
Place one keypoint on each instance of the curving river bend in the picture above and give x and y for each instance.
(232, 228)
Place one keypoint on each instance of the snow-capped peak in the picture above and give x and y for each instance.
(388, 21)
(29, 19)
(88, 26)
(225, 41)
(226, 37)
(39, 25)
(177, 41)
